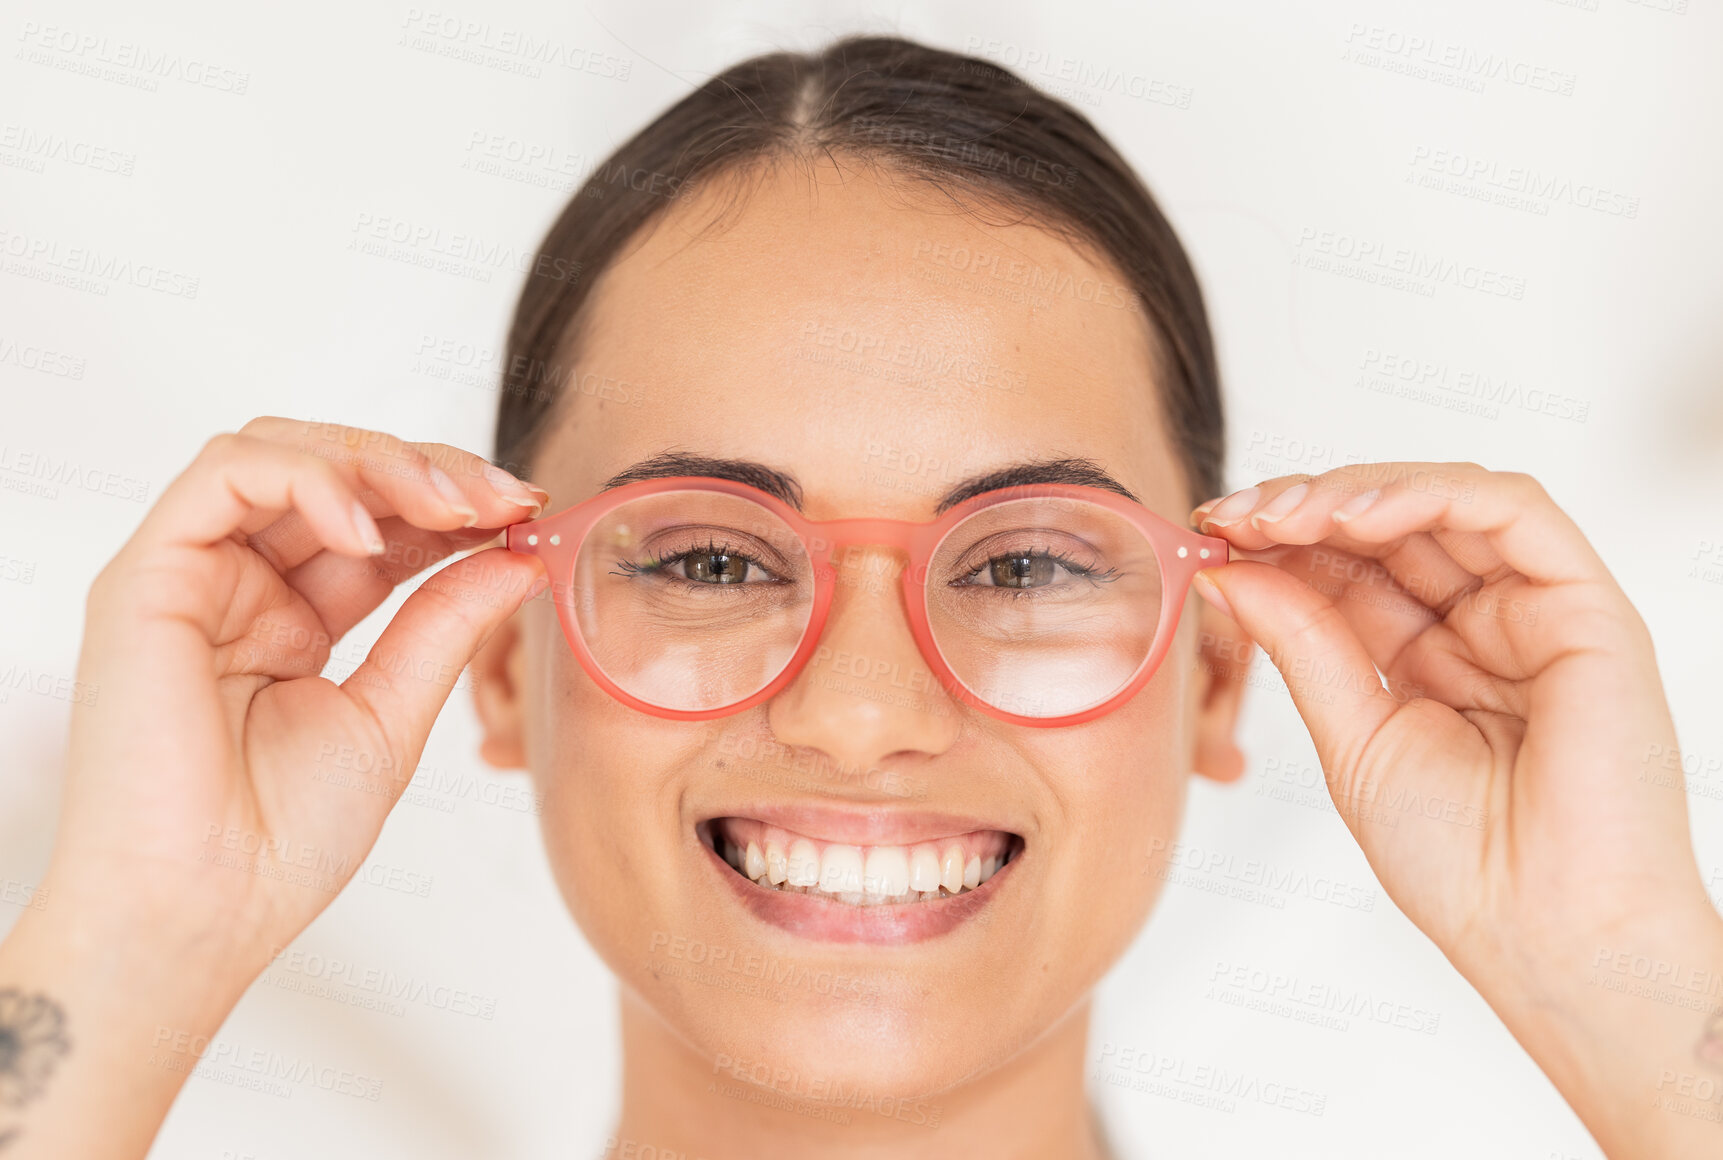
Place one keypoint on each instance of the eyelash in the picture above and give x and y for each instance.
(1081, 572)
(711, 548)
(660, 566)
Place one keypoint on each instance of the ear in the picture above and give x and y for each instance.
(497, 690)
(1223, 662)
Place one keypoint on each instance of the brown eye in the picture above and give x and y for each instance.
(716, 568)
(1021, 571)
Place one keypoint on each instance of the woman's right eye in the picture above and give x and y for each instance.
(712, 567)
(717, 568)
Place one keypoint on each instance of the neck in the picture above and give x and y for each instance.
(673, 1100)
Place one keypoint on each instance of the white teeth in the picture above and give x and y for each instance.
(841, 870)
(924, 869)
(858, 875)
(887, 872)
(804, 863)
(951, 868)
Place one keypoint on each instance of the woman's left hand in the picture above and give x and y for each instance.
(1512, 776)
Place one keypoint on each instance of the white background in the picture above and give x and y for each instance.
(1290, 128)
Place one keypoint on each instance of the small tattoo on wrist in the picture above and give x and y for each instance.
(32, 1041)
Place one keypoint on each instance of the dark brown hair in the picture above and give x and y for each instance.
(959, 123)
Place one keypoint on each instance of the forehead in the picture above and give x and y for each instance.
(873, 339)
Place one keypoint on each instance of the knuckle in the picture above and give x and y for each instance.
(261, 425)
(386, 444)
(355, 447)
(450, 459)
(221, 447)
(1525, 486)
(389, 454)
(232, 447)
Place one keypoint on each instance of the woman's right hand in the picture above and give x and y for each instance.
(210, 810)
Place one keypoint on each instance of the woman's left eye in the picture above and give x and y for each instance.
(1019, 570)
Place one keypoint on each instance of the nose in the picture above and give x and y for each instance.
(866, 696)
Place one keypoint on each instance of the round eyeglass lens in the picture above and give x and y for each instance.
(692, 600)
(1044, 607)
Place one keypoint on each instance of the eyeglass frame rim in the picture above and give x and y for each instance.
(558, 537)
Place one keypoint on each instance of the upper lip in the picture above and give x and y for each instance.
(864, 827)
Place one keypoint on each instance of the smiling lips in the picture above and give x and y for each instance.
(877, 875)
(853, 892)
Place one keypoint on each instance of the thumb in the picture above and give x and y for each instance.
(410, 671)
(1333, 682)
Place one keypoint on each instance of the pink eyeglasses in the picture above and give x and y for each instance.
(697, 597)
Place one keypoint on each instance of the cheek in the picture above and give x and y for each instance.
(1121, 783)
(608, 822)
(1129, 767)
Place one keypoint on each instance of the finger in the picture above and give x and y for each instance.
(389, 475)
(329, 595)
(1352, 718)
(1469, 644)
(1416, 650)
(1439, 567)
(427, 483)
(407, 676)
(235, 477)
(343, 591)
(486, 484)
(1484, 519)
(1328, 673)
(1382, 614)
(332, 593)
(1436, 567)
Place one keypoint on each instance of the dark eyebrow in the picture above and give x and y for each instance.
(783, 485)
(1084, 472)
(667, 464)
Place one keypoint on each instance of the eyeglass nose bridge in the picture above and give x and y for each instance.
(826, 537)
(835, 544)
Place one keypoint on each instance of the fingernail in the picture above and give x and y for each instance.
(1210, 591)
(367, 529)
(452, 495)
(1356, 505)
(1281, 506)
(1233, 508)
(1201, 510)
(538, 587)
(512, 489)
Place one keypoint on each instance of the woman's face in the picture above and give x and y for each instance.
(879, 347)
